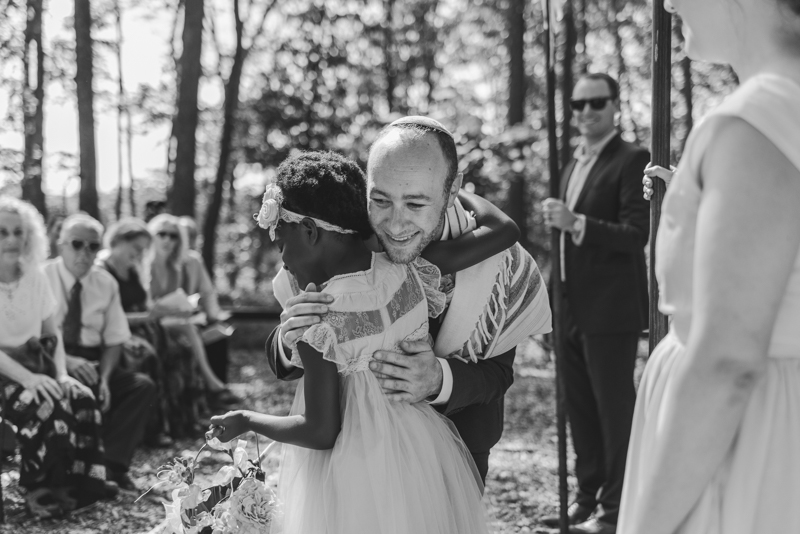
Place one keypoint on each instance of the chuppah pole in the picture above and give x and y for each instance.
(659, 148)
(555, 279)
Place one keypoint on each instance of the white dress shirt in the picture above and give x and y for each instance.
(103, 321)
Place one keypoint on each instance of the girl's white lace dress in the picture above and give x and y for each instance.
(396, 468)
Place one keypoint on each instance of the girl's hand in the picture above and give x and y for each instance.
(43, 388)
(232, 425)
(655, 171)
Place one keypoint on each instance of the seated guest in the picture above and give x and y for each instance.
(151, 350)
(169, 272)
(198, 280)
(95, 329)
(54, 223)
(59, 455)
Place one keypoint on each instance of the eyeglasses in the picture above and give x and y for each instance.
(595, 103)
(77, 246)
(168, 235)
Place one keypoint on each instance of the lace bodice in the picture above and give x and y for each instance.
(372, 310)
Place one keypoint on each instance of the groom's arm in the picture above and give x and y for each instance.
(278, 358)
(300, 312)
(479, 383)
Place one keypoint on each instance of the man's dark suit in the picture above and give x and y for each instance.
(604, 309)
(476, 402)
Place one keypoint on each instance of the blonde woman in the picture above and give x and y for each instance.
(168, 275)
(63, 463)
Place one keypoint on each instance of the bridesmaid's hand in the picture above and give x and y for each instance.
(655, 171)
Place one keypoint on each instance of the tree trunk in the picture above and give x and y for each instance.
(516, 203)
(121, 105)
(33, 109)
(583, 30)
(567, 80)
(622, 69)
(182, 195)
(517, 83)
(87, 199)
(223, 165)
(388, 54)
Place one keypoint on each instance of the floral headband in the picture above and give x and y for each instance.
(272, 212)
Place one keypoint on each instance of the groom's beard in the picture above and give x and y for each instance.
(403, 255)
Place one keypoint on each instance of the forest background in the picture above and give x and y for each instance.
(243, 83)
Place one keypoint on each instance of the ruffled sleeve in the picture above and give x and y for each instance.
(322, 338)
(431, 279)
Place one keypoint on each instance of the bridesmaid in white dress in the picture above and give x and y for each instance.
(715, 446)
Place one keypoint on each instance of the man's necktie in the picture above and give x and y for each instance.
(72, 322)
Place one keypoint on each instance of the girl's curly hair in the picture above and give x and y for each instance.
(327, 186)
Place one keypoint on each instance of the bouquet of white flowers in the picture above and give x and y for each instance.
(237, 502)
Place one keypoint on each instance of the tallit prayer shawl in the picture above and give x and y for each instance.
(495, 304)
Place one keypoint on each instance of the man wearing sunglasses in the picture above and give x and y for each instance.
(94, 329)
(604, 223)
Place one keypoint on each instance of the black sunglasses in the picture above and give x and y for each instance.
(168, 235)
(595, 103)
(77, 245)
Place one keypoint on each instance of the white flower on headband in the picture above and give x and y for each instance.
(270, 212)
(273, 212)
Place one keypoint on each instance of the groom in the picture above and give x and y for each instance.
(411, 177)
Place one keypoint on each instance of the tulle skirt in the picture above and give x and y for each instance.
(757, 487)
(395, 469)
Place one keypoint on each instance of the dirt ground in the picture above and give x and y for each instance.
(522, 484)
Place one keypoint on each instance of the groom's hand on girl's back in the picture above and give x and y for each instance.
(301, 312)
(412, 376)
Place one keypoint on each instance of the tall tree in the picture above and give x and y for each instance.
(516, 205)
(388, 54)
(33, 108)
(570, 40)
(184, 127)
(582, 24)
(87, 199)
(121, 105)
(230, 107)
(623, 77)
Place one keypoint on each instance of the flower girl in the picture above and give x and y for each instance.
(356, 462)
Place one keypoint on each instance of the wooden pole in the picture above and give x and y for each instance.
(555, 277)
(659, 149)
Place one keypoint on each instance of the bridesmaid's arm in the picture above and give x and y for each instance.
(747, 242)
(317, 428)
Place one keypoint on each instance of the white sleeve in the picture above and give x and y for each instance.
(447, 383)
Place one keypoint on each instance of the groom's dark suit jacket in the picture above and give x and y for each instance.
(476, 403)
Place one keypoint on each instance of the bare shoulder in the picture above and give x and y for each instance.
(743, 159)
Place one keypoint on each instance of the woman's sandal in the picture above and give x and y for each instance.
(42, 504)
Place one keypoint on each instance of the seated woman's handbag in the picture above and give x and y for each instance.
(36, 355)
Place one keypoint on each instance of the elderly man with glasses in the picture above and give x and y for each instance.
(604, 224)
(94, 328)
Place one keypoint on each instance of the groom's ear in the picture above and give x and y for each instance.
(453, 194)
